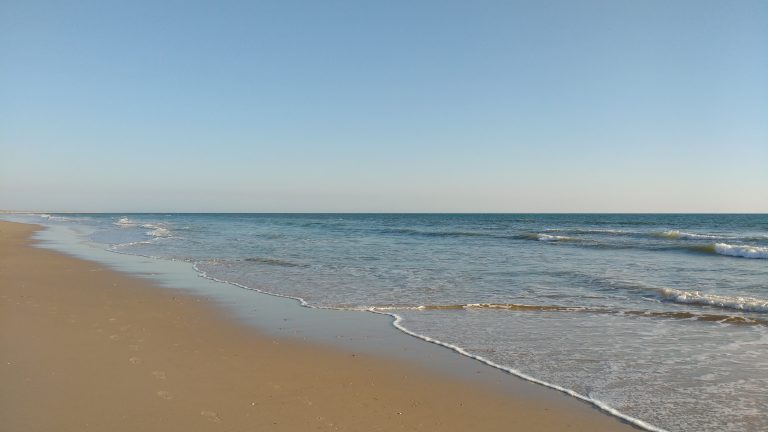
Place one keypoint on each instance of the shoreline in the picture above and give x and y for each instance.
(107, 350)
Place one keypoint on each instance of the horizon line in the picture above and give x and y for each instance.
(379, 213)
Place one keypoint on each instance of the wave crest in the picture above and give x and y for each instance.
(744, 251)
(156, 230)
(553, 238)
(746, 304)
(612, 232)
(124, 221)
(675, 235)
(54, 218)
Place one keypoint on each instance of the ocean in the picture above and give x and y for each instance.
(659, 318)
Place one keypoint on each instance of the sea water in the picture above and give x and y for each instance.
(658, 318)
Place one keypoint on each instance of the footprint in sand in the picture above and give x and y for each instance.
(134, 360)
(159, 374)
(210, 415)
(165, 394)
(114, 337)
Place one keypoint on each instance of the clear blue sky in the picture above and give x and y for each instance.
(507, 105)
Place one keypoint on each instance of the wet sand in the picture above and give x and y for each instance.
(83, 347)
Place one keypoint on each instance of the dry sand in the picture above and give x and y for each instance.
(84, 348)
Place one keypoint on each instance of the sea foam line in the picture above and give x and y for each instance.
(680, 315)
(397, 323)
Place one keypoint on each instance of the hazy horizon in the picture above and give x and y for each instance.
(436, 107)
(158, 212)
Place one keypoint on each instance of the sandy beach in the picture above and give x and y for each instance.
(83, 347)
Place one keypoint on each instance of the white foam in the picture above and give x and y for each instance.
(747, 304)
(397, 308)
(54, 218)
(590, 231)
(156, 231)
(119, 245)
(124, 221)
(549, 238)
(159, 232)
(744, 251)
(675, 234)
(595, 402)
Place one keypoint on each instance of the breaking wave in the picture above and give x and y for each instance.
(124, 221)
(739, 251)
(675, 235)
(554, 238)
(746, 304)
(157, 231)
(54, 218)
(744, 251)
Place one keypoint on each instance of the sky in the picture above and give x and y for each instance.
(384, 106)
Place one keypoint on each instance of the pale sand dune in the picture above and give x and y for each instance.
(82, 349)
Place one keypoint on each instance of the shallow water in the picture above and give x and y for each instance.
(661, 317)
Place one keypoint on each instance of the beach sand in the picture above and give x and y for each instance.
(83, 347)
